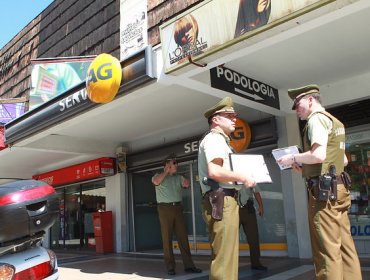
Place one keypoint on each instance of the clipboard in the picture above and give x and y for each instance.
(253, 164)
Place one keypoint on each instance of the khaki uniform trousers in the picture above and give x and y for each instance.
(249, 223)
(172, 221)
(224, 240)
(333, 249)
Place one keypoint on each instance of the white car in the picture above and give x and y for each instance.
(23, 225)
(28, 260)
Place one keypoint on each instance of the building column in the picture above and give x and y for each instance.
(294, 194)
(117, 202)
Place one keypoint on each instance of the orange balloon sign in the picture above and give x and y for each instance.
(241, 137)
(103, 78)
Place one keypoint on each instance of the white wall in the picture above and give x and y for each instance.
(346, 90)
(116, 201)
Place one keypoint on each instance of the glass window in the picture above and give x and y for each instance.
(271, 226)
(145, 215)
(359, 168)
(74, 228)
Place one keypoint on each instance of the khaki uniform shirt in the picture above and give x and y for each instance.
(319, 129)
(214, 145)
(170, 190)
(245, 194)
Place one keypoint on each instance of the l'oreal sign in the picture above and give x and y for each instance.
(216, 24)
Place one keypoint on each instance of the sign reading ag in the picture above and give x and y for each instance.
(241, 137)
(103, 78)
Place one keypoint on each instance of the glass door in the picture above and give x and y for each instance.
(58, 230)
(73, 217)
(145, 214)
(93, 197)
(201, 231)
(189, 202)
(144, 209)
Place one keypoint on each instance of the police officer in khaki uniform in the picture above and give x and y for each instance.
(213, 163)
(333, 249)
(248, 221)
(168, 187)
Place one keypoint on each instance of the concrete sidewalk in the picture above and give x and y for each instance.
(80, 265)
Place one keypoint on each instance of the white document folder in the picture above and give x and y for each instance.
(254, 165)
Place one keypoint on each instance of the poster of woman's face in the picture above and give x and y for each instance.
(213, 23)
(251, 15)
(186, 31)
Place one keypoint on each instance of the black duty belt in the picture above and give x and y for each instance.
(230, 192)
(169, 203)
(314, 181)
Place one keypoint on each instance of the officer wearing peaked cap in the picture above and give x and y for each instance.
(294, 93)
(225, 105)
(213, 163)
(298, 93)
(333, 249)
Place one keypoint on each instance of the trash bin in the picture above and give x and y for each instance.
(103, 231)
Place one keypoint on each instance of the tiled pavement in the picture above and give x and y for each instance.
(79, 265)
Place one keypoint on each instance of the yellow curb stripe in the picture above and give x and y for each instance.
(242, 246)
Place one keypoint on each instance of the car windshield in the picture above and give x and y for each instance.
(8, 180)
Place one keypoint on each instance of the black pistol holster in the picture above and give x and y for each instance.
(328, 185)
(250, 206)
(215, 197)
(346, 179)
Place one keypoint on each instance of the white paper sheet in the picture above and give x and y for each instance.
(254, 165)
(278, 153)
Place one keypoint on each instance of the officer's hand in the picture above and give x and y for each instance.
(260, 211)
(185, 182)
(297, 168)
(286, 159)
(249, 182)
(167, 168)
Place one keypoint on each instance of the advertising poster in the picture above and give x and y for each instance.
(213, 23)
(133, 26)
(10, 111)
(52, 77)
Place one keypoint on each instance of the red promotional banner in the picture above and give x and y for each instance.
(97, 168)
(2, 140)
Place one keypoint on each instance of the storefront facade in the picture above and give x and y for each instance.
(74, 228)
(159, 110)
(144, 165)
(81, 190)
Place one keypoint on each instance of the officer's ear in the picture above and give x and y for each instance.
(214, 118)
